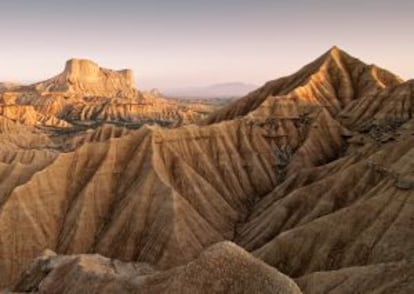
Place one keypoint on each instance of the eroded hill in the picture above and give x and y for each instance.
(312, 174)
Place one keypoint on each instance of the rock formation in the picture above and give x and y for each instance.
(85, 77)
(85, 94)
(222, 268)
(312, 174)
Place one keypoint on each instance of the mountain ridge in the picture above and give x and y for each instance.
(311, 174)
(331, 60)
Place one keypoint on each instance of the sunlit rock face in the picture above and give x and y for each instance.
(85, 93)
(82, 76)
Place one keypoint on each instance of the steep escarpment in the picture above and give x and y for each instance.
(312, 174)
(85, 77)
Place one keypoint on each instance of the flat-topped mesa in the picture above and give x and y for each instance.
(85, 77)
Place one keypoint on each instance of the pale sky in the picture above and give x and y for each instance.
(183, 43)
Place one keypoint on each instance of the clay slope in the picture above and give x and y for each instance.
(183, 206)
(393, 277)
(313, 174)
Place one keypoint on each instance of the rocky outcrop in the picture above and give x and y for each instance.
(85, 77)
(222, 268)
(85, 94)
(27, 114)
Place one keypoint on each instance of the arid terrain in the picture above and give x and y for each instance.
(86, 95)
(305, 185)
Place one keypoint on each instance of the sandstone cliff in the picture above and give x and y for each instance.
(85, 77)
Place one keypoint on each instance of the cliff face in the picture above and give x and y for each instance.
(312, 174)
(85, 77)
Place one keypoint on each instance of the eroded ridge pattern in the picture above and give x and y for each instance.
(305, 185)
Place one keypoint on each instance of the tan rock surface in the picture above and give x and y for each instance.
(85, 77)
(222, 268)
(85, 93)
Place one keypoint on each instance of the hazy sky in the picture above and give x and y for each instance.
(180, 43)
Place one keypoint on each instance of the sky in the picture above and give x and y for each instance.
(186, 43)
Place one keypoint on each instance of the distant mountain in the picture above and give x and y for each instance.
(224, 90)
